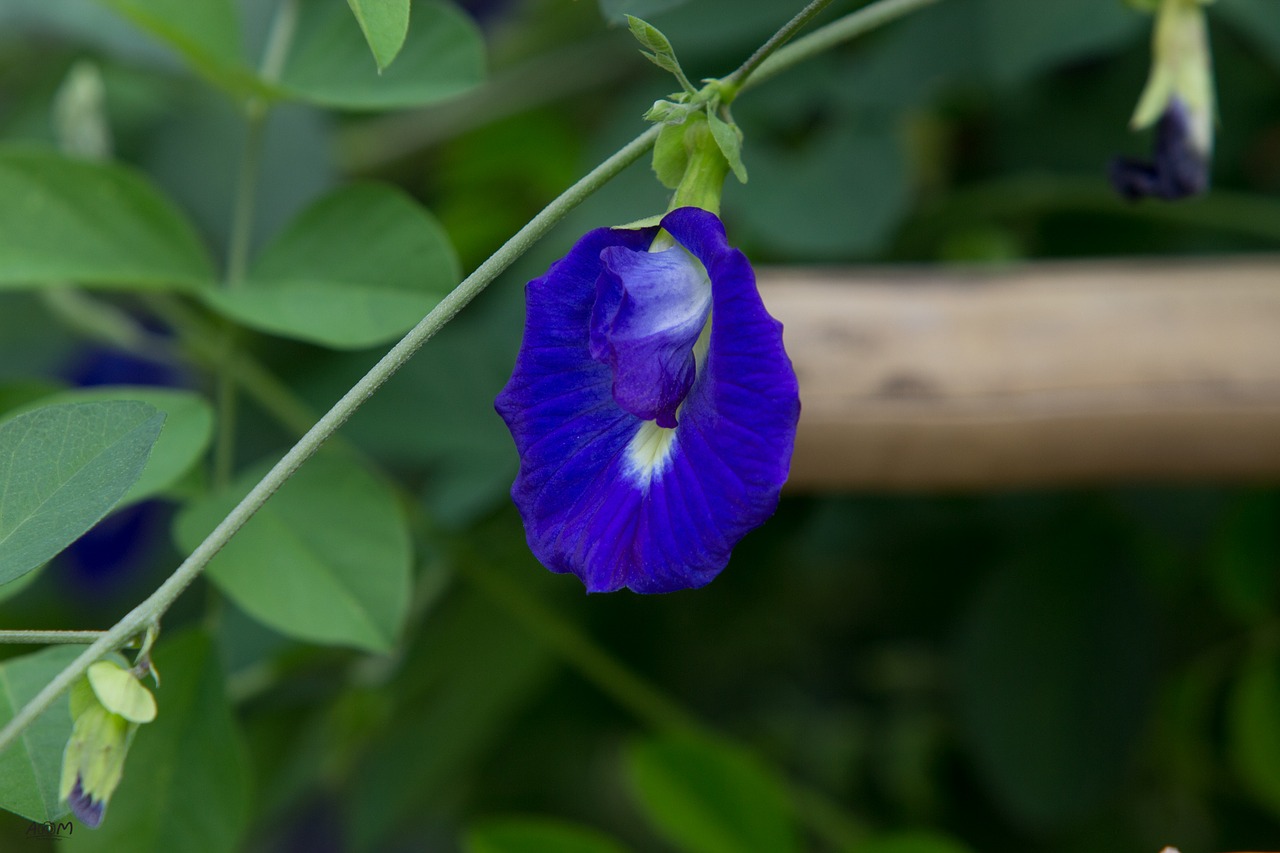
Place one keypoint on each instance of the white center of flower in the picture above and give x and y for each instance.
(648, 454)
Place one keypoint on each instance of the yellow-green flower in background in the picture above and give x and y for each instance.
(107, 706)
(1179, 101)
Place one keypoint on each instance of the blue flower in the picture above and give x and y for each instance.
(653, 406)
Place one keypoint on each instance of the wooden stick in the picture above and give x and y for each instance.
(1039, 375)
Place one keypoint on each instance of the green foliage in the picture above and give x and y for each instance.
(64, 467)
(205, 32)
(618, 11)
(101, 225)
(186, 786)
(1247, 558)
(910, 842)
(709, 797)
(1253, 735)
(188, 427)
(327, 560)
(1054, 683)
(29, 770)
(359, 267)
(442, 57)
(385, 24)
(512, 835)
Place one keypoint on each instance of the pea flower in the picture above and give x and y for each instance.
(652, 404)
(107, 706)
(1178, 100)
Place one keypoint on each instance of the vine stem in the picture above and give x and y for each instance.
(732, 84)
(146, 614)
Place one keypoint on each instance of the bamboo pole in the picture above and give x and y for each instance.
(1040, 375)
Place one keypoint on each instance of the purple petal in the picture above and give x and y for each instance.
(87, 809)
(618, 500)
(649, 309)
(1178, 170)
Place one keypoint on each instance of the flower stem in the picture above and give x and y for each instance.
(150, 610)
(732, 84)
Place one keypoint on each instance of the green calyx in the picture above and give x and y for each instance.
(699, 143)
(107, 706)
(688, 159)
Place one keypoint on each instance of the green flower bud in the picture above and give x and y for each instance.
(106, 706)
(1181, 69)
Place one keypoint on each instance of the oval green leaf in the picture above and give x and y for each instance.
(95, 224)
(31, 768)
(385, 24)
(188, 428)
(62, 468)
(1253, 735)
(121, 693)
(442, 57)
(525, 835)
(327, 559)
(206, 33)
(359, 267)
(186, 780)
(710, 797)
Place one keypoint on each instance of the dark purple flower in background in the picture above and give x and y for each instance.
(653, 406)
(1179, 167)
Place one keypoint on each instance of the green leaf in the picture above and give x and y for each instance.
(442, 57)
(385, 24)
(188, 428)
(205, 32)
(911, 842)
(1255, 20)
(359, 267)
(649, 36)
(327, 560)
(96, 224)
(468, 648)
(710, 797)
(186, 780)
(62, 469)
(30, 769)
(1246, 556)
(536, 835)
(729, 140)
(1023, 39)
(1253, 736)
(19, 396)
(858, 172)
(1054, 679)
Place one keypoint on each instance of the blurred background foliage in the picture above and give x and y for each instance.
(1087, 670)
